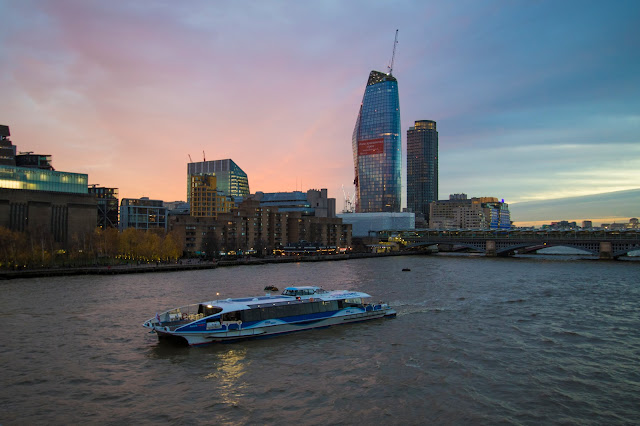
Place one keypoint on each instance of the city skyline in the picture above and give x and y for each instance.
(532, 101)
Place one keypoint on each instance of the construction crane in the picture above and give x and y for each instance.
(348, 201)
(393, 56)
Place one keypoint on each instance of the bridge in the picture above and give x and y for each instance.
(603, 243)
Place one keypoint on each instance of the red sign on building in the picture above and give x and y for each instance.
(371, 146)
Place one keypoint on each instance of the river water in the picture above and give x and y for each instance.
(539, 340)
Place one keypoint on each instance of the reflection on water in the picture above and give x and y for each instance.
(227, 371)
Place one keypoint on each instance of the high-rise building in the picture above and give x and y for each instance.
(377, 148)
(422, 166)
(231, 179)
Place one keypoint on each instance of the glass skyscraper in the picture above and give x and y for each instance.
(377, 148)
(422, 166)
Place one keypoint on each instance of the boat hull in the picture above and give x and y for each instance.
(271, 327)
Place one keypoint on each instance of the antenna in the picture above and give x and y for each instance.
(393, 56)
(204, 158)
(190, 160)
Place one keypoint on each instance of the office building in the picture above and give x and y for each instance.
(377, 149)
(459, 212)
(143, 213)
(422, 167)
(231, 180)
(206, 199)
(107, 199)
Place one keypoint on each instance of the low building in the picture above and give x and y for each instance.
(365, 224)
(59, 214)
(314, 202)
(107, 199)
(40, 200)
(256, 228)
(459, 212)
(143, 213)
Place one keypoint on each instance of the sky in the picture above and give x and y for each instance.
(533, 99)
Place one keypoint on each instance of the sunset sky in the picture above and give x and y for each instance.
(533, 99)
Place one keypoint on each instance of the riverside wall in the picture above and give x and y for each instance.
(188, 265)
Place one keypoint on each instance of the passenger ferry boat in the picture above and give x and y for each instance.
(296, 309)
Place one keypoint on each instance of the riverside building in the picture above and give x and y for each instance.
(476, 213)
(206, 199)
(377, 149)
(143, 213)
(37, 199)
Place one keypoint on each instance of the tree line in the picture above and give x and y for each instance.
(101, 247)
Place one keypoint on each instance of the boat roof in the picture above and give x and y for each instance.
(237, 304)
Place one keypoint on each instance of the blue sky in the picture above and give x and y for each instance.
(533, 99)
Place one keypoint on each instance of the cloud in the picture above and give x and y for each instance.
(527, 96)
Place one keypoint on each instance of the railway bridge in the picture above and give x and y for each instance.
(603, 243)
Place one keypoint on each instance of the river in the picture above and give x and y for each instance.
(540, 340)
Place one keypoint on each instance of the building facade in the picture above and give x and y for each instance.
(231, 179)
(422, 166)
(315, 202)
(107, 199)
(255, 228)
(59, 214)
(377, 147)
(143, 213)
(475, 213)
(366, 224)
(206, 199)
(40, 200)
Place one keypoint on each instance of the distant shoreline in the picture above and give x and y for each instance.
(187, 265)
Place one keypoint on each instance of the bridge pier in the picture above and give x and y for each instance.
(606, 251)
(491, 248)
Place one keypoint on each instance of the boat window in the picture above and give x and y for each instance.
(207, 310)
(231, 316)
(288, 310)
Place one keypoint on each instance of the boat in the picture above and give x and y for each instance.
(297, 308)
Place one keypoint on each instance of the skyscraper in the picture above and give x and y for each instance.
(377, 149)
(422, 166)
(231, 179)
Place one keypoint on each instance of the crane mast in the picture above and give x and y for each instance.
(393, 56)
